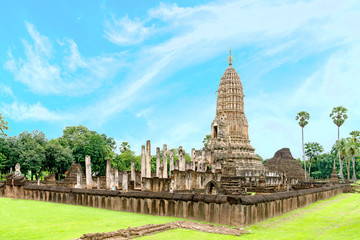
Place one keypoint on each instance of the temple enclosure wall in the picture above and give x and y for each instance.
(221, 209)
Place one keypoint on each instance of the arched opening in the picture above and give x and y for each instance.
(212, 188)
(215, 131)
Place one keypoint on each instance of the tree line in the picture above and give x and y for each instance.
(39, 156)
(345, 150)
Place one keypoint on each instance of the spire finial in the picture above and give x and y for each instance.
(230, 59)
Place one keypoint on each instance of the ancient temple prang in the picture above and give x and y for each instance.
(229, 130)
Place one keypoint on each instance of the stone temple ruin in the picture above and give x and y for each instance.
(227, 165)
(220, 178)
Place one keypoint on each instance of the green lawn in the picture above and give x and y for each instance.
(27, 219)
(336, 218)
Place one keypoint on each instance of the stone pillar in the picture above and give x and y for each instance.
(125, 182)
(193, 155)
(181, 159)
(143, 162)
(116, 177)
(88, 172)
(201, 164)
(78, 180)
(108, 168)
(148, 159)
(112, 180)
(98, 183)
(157, 162)
(165, 172)
(132, 177)
(171, 161)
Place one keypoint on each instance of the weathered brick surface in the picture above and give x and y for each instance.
(230, 210)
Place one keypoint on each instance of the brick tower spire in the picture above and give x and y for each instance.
(230, 127)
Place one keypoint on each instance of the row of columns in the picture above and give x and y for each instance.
(161, 168)
(112, 176)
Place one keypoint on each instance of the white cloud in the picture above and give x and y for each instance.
(218, 24)
(76, 75)
(335, 83)
(34, 112)
(280, 32)
(125, 31)
(6, 90)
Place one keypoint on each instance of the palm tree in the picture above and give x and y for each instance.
(356, 145)
(303, 117)
(339, 116)
(346, 152)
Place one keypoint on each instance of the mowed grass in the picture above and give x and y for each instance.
(28, 219)
(335, 218)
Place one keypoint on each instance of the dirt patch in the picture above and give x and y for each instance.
(156, 228)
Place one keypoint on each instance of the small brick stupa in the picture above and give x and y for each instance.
(283, 162)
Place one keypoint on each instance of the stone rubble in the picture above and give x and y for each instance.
(150, 229)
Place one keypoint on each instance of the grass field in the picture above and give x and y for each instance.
(335, 218)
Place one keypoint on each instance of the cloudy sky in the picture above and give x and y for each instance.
(138, 70)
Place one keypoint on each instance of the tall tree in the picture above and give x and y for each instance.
(2, 163)
(124, 146)
(84, 142)
(10, 147)
(339, 116)
(57, 158)
(345, 154)
(355, 136)
(3, 126)
(126, 156)
(303, 118)
(32, 152)
(312, 151)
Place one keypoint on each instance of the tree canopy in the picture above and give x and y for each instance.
(303, 118)
(3, 126)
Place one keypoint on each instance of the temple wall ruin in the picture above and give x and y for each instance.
(221, 209)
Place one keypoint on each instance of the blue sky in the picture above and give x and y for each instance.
(138, 70)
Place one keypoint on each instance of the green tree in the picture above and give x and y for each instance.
(109, 141)
(312, 151)
(303, 118)
(97, 149)
(206, 140)
(58, 158)
(126, 156)
(10, 147)
(32, 152)
(3, 126)
(124, 146)
(76, 137)
(339, 116)
(356, 149)
(84, 142)
(2, 163)
(323, 166)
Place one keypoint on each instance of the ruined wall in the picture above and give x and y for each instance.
(227, 210)
(189, 180)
